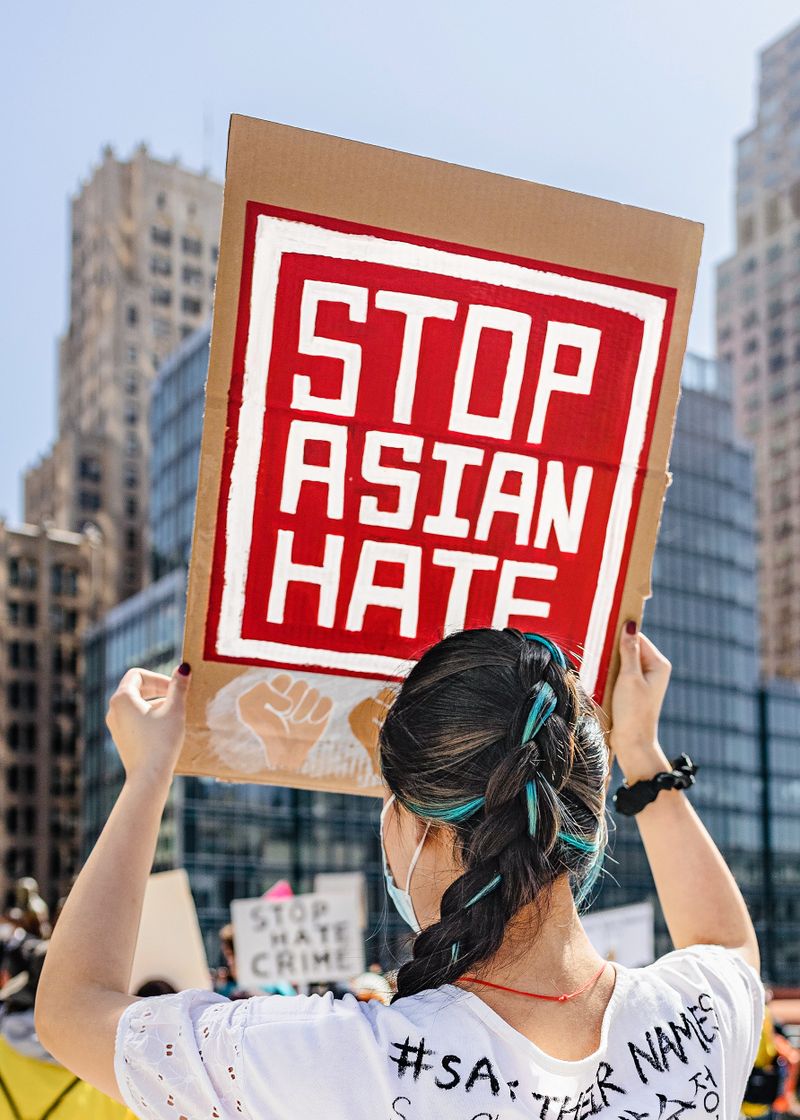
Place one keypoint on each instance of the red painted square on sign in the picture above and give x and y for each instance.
(424, 436)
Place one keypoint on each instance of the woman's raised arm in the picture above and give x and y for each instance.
(84, 984)
(701, 902)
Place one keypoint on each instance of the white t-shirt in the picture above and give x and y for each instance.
(678, 1042)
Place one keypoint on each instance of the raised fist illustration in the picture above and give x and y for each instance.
(288, 716)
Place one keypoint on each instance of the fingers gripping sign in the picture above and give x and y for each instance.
(287, 716)
(147, 718)
(366, 718)
(638, 693)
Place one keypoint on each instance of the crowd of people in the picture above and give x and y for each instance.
(33, 1086)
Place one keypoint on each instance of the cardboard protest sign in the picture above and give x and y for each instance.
(437, 398)
(353, 884)
(309, 939)
(625, 934)
(170, 945)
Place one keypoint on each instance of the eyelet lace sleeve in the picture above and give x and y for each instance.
(180, 1057)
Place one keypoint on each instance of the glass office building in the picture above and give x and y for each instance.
(703, 615)
(235, 840)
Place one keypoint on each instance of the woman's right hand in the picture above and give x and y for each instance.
(636, 705)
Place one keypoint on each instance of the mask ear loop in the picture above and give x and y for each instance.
(416, 856)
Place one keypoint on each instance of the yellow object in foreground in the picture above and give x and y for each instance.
(35, 1088)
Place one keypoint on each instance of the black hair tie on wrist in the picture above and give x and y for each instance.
(630, 800)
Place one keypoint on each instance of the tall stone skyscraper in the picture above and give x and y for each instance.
(758, 334)
(143, 262)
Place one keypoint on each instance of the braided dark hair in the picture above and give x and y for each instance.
(465, 745)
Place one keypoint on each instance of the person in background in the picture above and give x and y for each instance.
(764, 1083)
(225, 978)
(32, 1084)
(371, 985)
(35, 911)
(493, 832)
(225, 982)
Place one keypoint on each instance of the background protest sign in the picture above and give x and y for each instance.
(625, 934)
(353, 884)
(437, 398)
(170, 945)
(308, 939)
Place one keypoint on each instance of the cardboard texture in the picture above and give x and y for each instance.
(170, 945)
(437, 398)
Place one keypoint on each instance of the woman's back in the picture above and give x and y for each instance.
(677, 1037)
(493, 832)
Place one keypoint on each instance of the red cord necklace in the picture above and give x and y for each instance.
(535, 995)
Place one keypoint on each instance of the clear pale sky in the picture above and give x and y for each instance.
(637, 102)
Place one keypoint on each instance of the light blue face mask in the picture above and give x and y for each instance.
(402, 900)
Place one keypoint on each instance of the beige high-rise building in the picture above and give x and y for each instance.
(49, 585)
(143, 263)
(758, 333)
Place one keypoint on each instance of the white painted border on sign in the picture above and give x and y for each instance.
(276, 236)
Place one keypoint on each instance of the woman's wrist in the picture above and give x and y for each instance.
(151, 784)
(641, 763)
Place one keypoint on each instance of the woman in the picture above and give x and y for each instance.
(494, 823)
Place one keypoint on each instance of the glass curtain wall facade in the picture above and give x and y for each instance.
(779, 709)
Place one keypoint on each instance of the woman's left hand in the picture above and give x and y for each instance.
(147, 720)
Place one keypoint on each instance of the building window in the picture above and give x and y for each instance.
(63, 621)
(192, 245)
(131, 477)
(64, 580)
(132, 353)
(89, 501)
(131, 507)
(131, 384)
(191, 305)
(161, 200)
(777, 363)
(192, 275)
(160, 235)
(162, 328)
(186, 330)
(22, 572)
(215, 253)
(131, 444)
(131, 539)
(160, 266)
(161, 296)
(131, 416)
(89, 468)
(131, 315)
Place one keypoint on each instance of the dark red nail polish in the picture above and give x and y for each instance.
(630, 627)
(184, 669)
